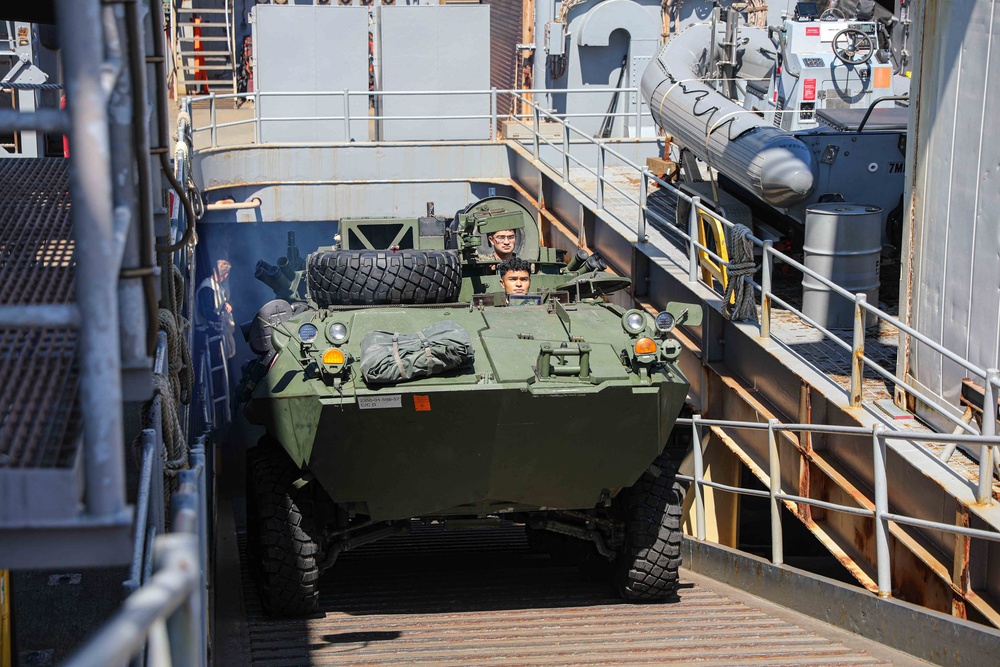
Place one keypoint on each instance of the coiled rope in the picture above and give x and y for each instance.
(741, 267)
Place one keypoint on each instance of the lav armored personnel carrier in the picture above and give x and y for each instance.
(396, 380)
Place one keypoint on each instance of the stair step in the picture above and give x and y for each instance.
(191, 68)
(205, 54)
(201, 10)
(203, 25)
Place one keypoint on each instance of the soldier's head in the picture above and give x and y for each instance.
(515, 275)
(222, 267)
(503, 242)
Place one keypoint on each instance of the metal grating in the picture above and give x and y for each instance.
(36, 251)
(40, 418)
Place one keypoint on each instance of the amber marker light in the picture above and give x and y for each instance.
(645, 346)
(333, 356)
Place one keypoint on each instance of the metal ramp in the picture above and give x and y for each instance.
(202, 42)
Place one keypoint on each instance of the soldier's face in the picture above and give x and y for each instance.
(516, 282)
(503, 242)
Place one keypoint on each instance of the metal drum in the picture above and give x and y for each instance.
(843, 243)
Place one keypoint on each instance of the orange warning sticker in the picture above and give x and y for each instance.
(422, 403)
(883, 77)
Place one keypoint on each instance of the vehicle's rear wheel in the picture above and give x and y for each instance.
(282, 537)
(351, 277)
(646, 568)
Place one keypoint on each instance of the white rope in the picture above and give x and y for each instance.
(739, 268)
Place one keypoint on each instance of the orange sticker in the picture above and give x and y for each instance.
(422, 403)
(883, 77)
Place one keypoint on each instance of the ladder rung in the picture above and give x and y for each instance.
(203, 10)
(207, 68)
(205, 54)
(203, 39)
(203, 24)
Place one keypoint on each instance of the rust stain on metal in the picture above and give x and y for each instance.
(963, 545)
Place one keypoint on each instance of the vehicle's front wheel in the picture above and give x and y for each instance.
(282, 536)
(646, 568)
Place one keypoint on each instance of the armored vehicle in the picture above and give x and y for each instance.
(396, 380)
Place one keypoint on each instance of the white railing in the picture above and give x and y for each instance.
(879, 511)
(862, 309)
(490, 104)
(564, 165)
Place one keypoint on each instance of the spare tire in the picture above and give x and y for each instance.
(354, 277)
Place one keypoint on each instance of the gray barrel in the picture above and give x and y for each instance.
(843, 243)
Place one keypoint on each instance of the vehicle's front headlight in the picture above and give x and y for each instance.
(634, 321)
(665, 322)
(337, 332)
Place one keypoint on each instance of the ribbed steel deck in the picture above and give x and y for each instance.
(482, 598)
(40, 423)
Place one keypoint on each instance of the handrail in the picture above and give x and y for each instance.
(605, 152)
(169, 612)
(879, 509)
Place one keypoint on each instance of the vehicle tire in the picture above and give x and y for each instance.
(353, 277)
(282, 546)
(646, 568)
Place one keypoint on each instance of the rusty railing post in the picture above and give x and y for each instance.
(858, 349)
(985, 495)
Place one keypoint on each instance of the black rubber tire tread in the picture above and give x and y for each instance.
(646, 569)
(380, 277)
(281, 544)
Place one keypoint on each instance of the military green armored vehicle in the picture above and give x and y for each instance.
(396, 380)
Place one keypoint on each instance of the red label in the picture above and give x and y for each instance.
(809, 89)
(812, 31)
(422, 403)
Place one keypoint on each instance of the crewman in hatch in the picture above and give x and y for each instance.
(503, 241)
(515, 275)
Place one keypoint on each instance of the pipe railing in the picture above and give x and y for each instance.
(346, 117)
(167, 616)
(879, 509)
(573, 136)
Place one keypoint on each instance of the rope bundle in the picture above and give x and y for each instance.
(740, 267)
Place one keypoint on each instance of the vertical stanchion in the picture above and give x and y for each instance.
(858, 349)
(179, 551)
(600, 176)
(765, 290)
(882, 562)
(989, 430)
(493, 113)
(699, 474)
(256, 117)
(638, 114)
(774, 472)
(693, 234)
(535, 128)
(213, 120)
(643, 197)
(565, 155)
(347, 115)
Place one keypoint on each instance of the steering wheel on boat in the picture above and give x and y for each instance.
(853, 47)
